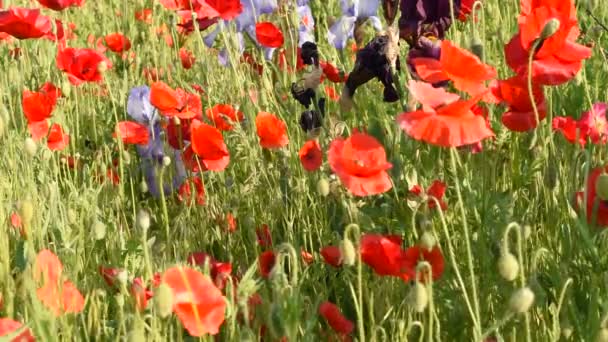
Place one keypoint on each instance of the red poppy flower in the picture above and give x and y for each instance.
(38, 105)
(197, 302)
(332, 73)
(269, 35)
(208, 144)
(436, 190)
(176, 102)
(231, 223)
(593, 200)
(110, 274)
(360, 163)
(16, 220)
(220, 271)
(569, 128)
(311, 156)
(57, 295)
(8, 327)
(331, 93)
(38, 129)
(266, 262)
(263, 236)
(140, 293)
(224, 116)
(117, 42)
(57, 140)
(24, 23)
(451, 125)
(271, 130)
(383, 254)
(559, 58)
(413, 255)
(429, 96)
(227, 9)
(466, 7)
(332, 255)
(60, 5)
(184, 193)
(187, 58)
(594, 123)
(307, 257)
(520, 116)
(144, 15)
(463, 68)
(82, 65)
(132, 133)
(335, 319)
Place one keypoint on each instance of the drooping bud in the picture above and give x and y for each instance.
(551, 27)
(102, 67)
(601, 187)
(418, 297)
(508, 266)
(143, 219)
(477, 47)
(143, 187)
(30, 147)
(521, 300)
(163, 300)
(99, 230)
(349, 253)
(166, 161)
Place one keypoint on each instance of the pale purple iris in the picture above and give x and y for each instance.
(352, 11)
(307, 23)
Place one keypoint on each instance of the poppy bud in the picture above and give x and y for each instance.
(166, 161)
(30, 147)
(418, 297)
(102, 67)
(508, 266)
(136, 335)
(126, 157)
(163, 300)
(477, 47)
(122, 277)
(27, 212)
(566, 329)
(143, 219)
(120, 300)
(526, 231)
(427, 241)
(521, 300)
(551, 27)
(602, 335)
(323, 187)
(66, 88)
(601, 187)
(99, 230)
(143, 187)
(349, 254)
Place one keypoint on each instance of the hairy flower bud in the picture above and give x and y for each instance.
(508, 266)
(551, 27)
(349, 254)
(98, 229)
(163, 300)
(30, 147)
(418, 297)
(521, 300)
(323, 187)
(427, 240)
(143, 219)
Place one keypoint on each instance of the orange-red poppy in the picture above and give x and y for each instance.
(132, 133)
(311, 156)
(520, 116)
(178, 102)
(269, 35)
(224, 116)
(332, 255)
(413, 255)
(383, 254)
(360, 163)
(58, 295)
(117, 42)
(60, 5)
(38, 129)
(8, 327)
(24, 23)
(197, 302)
(185, 192)
(271, 130)
(187, 58)
(266, 262)
(335, 319)
(208, 144)
(82, 65)
(57, 139)
(436, 190)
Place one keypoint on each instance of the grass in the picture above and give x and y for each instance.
(519, 181)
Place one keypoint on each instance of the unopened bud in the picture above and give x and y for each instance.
(551, 27)
(349, 254)
(126, 157)
(427, 241)
(99, 230)
(521, 300)
(166, 161)
(66, 88)
(136, 335)
(143, 187)
(102, 67)
(477, 47)
(30, 147)
(418, 297)
(120, 300)
(122, 277)
(508, 266)
(601, 187)
(143, 219)
(323, 187)
(163, 300)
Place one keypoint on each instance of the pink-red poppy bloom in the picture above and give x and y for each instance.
(224, 116)
(60, 5)
(117, 42)
(58, 295)
(178, 102)
(38, 129)
(383, 254)
(132, 133)
(436, 190)
(332, 255)
(271, 130)
(520, 116)
(311, 156)
(208, 143)
(197, 302)
(558, 58)
(335, 319)
(269, 35)
(597, 209)
(266, 262)
(24, 23)
(57, 140)
(185, 192)
(82, 65)
(187, 58)
(8, 327)
(413, 255)
(592, 126)
(360, 163)
(220, 271)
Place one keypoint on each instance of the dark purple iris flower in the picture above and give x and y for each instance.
(421, 18)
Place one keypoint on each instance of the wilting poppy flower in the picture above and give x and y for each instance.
(436, 190)
(110, 274)
(263, 236)
(38, 129)
(271, 130)
(220, 271)
(307, 257)
(140, 293)
(592, 125)
(8, 327)
(57, 140)
(208, 144)
(558, 58)
(332, 255)
(82, 65)
(425, 18)
(177, 102)
(187, 58)
(335, 319)
(462, 67)
(360, 163)
(269, 35)
(224, 116)
(24, 23)
(132, 133)
(117, 42)
(197, 302)
(520, 116)
(383, 254)
(60, 5)
(451, 125)
(184, 194)
(56, 294)
(266, 262)
(414, 255)
(311, 156)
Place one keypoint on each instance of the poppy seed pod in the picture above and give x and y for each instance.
(601, 186)
(508, 266)
(521, 300)
(163, 300)
(349, 254)
(30, 147)
(551, 27)
(418, 297)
